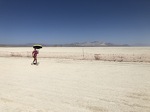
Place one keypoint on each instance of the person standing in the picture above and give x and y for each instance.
(34, 55)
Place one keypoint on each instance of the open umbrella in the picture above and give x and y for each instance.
(37, 46)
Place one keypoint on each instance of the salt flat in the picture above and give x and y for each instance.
(118, 54)
(73, 85)
(60, 85)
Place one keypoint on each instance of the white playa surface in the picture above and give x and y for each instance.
(118, 54)
(73, 84)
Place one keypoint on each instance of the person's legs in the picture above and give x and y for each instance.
(35, 60)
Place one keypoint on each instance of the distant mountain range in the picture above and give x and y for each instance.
(89, 44)
(77, 44)
(94, 44)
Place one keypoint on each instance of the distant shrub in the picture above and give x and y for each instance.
(97, 56)
(13, 54)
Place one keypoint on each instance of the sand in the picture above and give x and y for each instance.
(73, 84)
(118, 54)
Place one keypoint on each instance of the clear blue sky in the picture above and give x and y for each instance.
(66, 21)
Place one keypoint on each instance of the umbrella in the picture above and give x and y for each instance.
(37, 46)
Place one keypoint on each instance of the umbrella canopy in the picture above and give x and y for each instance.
(37, 46)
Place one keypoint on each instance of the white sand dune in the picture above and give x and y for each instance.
(72, 85)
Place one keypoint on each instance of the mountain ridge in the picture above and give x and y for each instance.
(75, 44)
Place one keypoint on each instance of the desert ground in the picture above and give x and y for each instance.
(75, 79)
